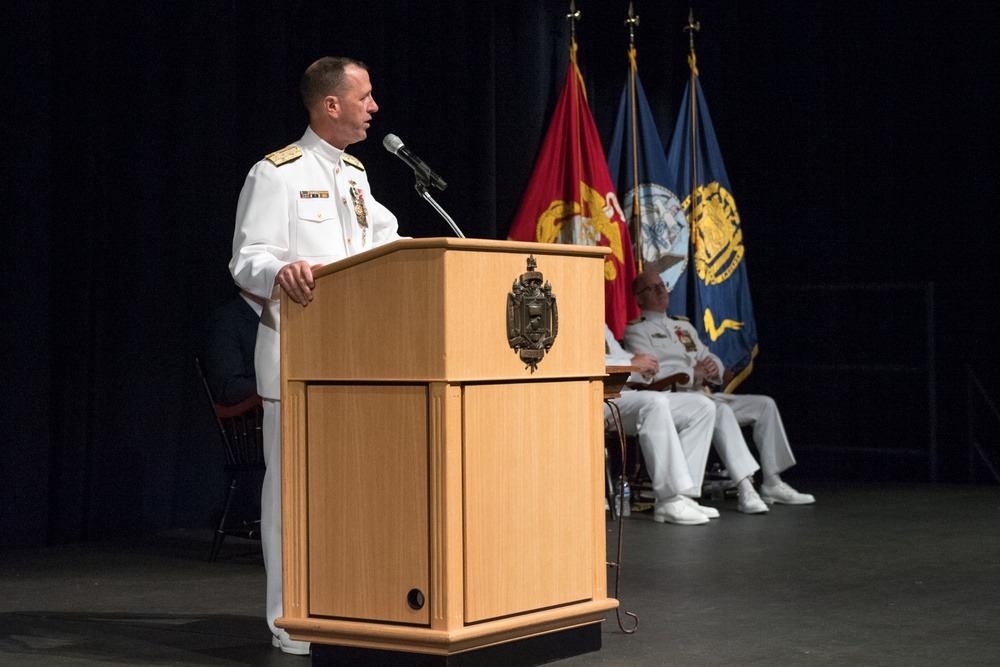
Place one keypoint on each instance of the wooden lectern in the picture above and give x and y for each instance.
(439, 497)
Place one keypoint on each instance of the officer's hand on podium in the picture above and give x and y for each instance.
(296, 279)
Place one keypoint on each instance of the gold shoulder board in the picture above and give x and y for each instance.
(353, 161)
(637, 320)
(287, 154)
(682, 318)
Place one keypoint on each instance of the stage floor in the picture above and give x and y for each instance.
(869, 575)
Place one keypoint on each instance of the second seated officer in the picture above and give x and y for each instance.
(675, 433)
(675, 344)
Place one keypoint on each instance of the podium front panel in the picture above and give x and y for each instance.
(529, 525)
(367, 489)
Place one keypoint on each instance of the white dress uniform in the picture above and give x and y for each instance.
(674, 430)
(299, 203)
(676, 345)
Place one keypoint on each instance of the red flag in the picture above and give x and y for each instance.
(570, 198)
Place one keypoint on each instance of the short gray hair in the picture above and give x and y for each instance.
(325, 77)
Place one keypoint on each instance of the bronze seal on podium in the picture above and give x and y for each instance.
(532, 316)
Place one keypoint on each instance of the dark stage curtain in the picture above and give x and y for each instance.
(856, 144)
(139, 126)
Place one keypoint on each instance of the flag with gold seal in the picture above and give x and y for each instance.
(639, 169)
(570, 198)
(722, 310)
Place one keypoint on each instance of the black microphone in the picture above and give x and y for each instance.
(394, 145)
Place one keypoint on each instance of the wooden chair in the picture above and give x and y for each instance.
(241, 432)
(668, 383)
(622, 454)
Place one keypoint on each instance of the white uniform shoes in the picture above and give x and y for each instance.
(290, 646)
(750, 503)
(785, 495)
(710, 512)
(679, 512)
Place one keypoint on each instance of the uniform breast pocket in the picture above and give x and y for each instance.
(667, 348)
(317, 230)
(661, 342)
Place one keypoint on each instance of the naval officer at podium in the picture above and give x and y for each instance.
(301, 207)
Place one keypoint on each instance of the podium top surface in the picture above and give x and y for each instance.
(450, 243)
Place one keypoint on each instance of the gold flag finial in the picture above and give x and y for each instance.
(573, 17)
(691, 27)
(632, 22)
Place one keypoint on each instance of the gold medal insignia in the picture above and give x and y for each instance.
(684, 337)
(360, 210)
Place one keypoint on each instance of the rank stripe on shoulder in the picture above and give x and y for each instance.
(287, 154)
(353, 161)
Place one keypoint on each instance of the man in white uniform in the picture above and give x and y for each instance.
(304, 206)
(675, 344)
(674, 434)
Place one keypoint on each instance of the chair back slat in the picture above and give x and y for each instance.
(240, 427)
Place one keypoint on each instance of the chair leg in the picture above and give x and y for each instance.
(220, 533)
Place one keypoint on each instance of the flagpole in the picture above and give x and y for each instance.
(573, 17)
(632, 22)
(691, 27)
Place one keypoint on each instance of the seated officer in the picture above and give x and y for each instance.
(229, 348)
(677, 348)
(674, 431)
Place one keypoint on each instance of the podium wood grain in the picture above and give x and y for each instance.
(421, 455)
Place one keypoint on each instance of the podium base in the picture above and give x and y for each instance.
(526, 652)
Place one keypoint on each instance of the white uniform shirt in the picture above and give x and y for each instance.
(300, 209)
(673, 342)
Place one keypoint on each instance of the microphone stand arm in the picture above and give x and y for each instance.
(421, 187)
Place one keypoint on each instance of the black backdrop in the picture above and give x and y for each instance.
(859, 143)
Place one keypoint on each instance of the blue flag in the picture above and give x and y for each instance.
(722, 309)
(652, 210)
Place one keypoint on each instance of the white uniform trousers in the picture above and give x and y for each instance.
(270, 513)
(674, 432)
(737, 410)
